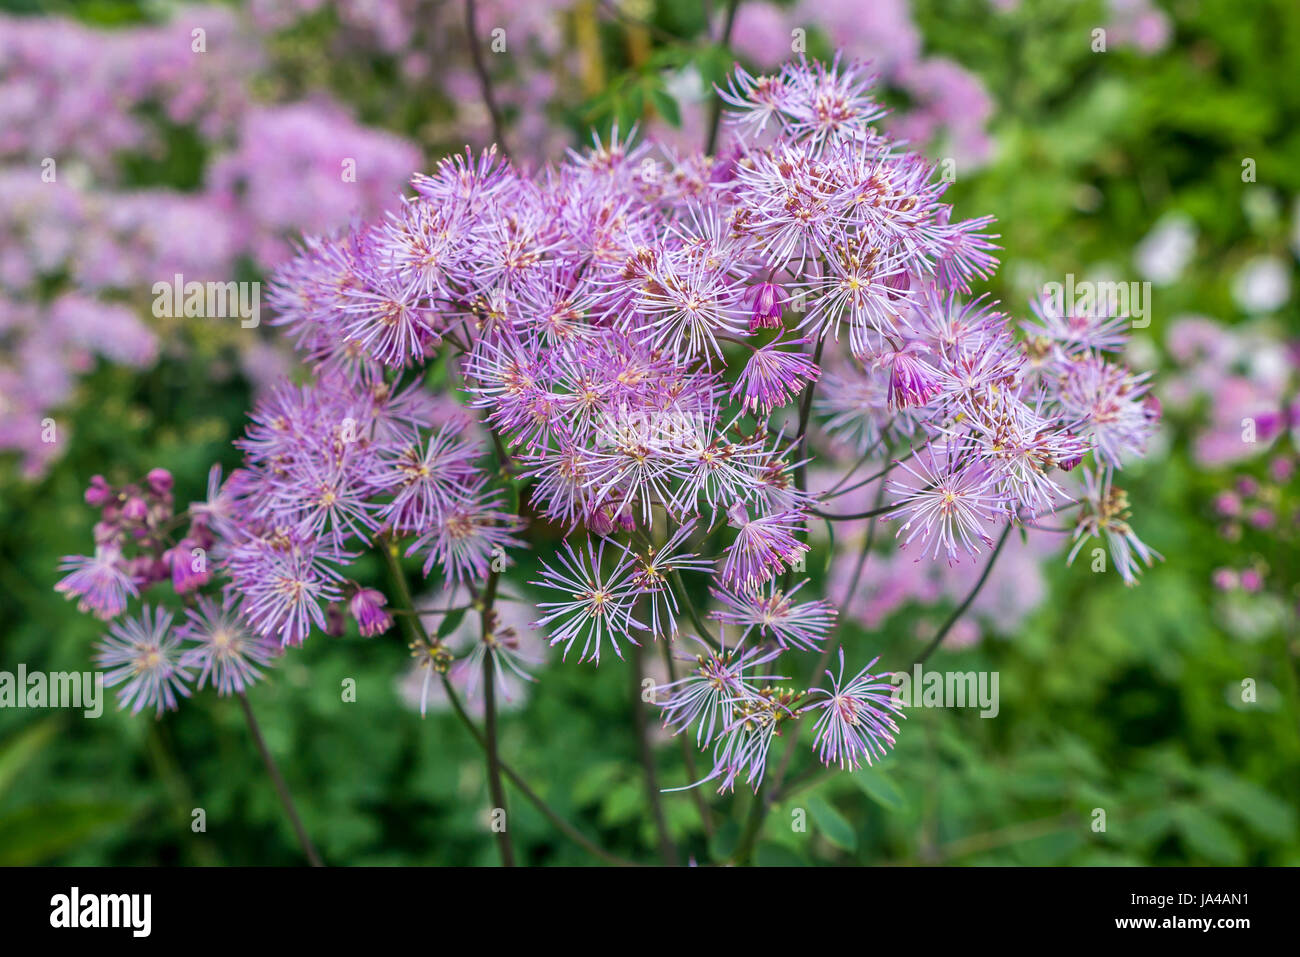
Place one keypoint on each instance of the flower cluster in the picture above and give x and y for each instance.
(80, 108)
(68, 90)
(1236, 391)
(949, 108)
(135, 549)
(634, 340)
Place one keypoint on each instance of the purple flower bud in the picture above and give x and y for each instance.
(135, 509)
(200, 532)
(766, 312)
(189, 566)
(367, 607)
(146, 570)
(1251, 580)
(723, 169)
(335, 621)
(911, 381)
(160, 481)
(599, 522)
(626, 520)
(99, 492)
(607, 518)
(1069, 461)
(898, 284)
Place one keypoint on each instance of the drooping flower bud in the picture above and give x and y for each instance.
(600, 523)
(1071, 459)
(367, 607)
(189, 566)
(897, 285)
(766, 311)
(160, 481)
(99, 492)
(912, 381)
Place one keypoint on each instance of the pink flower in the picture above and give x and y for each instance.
(367, 607)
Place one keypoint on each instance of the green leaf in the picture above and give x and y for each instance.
(451, 622)
(18, 752)
(1267, 816)
(622, 804)
(714, 63)
(595, 781)
(879, 787)
(35, 834)
(1033, 784)
(634, 105)
(1148, 827)
(1049, 849)
(724, 842)
(771, 854)
(666, 106)
(832, 824)
(1208, 837)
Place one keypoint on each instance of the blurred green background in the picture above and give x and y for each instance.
(1122, 699)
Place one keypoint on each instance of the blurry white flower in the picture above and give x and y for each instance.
(1163, 254)
(1262, 285)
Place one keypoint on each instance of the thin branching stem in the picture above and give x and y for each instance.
(485, 78)
(277, 779)
(966, 602)
(495, 790)
(389, 553)
(824, 659)
(715, 118)
(667, 852)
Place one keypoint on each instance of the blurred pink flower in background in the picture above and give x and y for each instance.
(1245, 379)
(1140, 24)
(305, 167)
(895, 578)
(80, 254)
(67, 89)
(949, 98)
